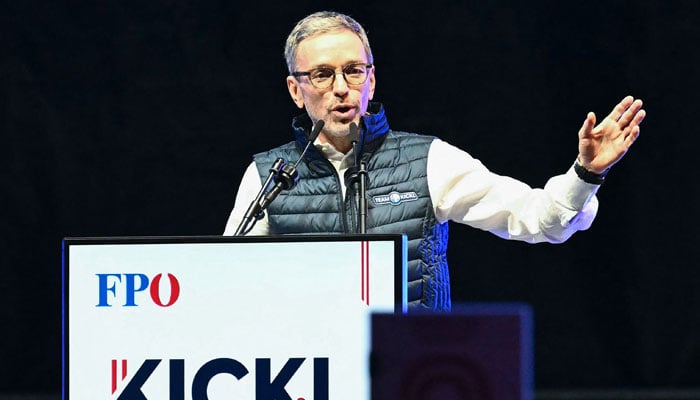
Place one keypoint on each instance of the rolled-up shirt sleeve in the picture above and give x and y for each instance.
(463, 190)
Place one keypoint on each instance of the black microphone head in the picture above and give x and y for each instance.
(357, 140)
(312, 136)
(353, 131)
(316, 130)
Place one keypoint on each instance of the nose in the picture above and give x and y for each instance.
(340, 86)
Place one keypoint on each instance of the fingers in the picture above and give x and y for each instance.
(620, 108)
(588, 125)
(629, 123)
(634, 127)
(632, 136)
(639, 117)
(631, 115)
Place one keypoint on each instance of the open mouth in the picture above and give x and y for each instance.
(344, 112)
(343, 109)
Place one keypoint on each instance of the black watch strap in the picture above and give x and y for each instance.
(588, 176)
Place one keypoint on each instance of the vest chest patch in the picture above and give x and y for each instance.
(394, 198)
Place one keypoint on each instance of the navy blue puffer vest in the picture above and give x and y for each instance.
(398, 200)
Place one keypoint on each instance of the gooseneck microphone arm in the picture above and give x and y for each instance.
(357, 177)
(285, 177)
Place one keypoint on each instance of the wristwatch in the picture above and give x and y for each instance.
(589, 176)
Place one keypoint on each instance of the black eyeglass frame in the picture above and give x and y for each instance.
(308, 73)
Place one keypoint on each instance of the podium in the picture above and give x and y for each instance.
(194, 318)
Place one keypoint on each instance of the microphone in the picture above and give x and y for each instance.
(350, 175)
(353, 129)
(356, 137)
(285, 177)
(288, 176)
(315, 131)
(356, 177)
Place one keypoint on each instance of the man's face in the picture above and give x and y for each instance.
(340, 104)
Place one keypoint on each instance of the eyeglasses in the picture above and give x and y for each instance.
(323, 77)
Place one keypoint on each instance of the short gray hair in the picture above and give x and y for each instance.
(322, 22)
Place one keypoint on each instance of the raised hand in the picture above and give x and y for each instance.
(601, 146)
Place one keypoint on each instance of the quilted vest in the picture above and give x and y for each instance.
(398, 200)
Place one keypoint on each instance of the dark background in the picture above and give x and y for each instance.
(139, 117)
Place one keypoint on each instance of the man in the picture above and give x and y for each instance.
(331, 76)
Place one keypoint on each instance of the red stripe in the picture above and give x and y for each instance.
(123, 369)
(367, 267)
(365, 271)
(114, 376)
(362, 270)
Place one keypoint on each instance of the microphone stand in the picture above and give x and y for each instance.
(362, 203)
(285, 176)
(358, 177)
(255, 210)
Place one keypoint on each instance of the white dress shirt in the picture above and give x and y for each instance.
(463, 190)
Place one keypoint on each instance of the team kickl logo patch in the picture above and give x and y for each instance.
(394, 198)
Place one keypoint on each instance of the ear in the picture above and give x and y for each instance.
(372, 82)
(295, 91)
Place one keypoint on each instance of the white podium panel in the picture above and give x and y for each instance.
(225, 318)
